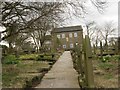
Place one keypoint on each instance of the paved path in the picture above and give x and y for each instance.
(61, 75)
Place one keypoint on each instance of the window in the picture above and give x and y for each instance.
(67, 39)
(63, 35)
(75, 34)
(70, 34)
(76, 43)
(58, 36)
(71, 45)
(64, 46)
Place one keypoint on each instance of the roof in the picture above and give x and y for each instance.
(68, 29)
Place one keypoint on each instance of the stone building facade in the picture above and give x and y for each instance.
(67, 37)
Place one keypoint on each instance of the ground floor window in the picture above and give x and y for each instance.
(76, 43)
(64, 46)
(71, 45)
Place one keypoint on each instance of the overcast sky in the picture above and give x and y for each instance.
(110, 13)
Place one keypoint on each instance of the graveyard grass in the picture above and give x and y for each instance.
(106, 72)
(16, 75)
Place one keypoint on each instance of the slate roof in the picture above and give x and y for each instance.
(68, 29)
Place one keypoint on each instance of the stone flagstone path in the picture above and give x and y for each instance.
(61, 75)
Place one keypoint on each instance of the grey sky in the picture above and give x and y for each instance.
(110, 13)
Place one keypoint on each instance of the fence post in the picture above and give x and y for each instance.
(94, 48)
(0, 64)
(79, 60)
(88, 63)
(116, 48)
(84, 63)
(101, 50)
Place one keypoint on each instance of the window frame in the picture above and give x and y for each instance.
(75, 34)
(63, 35)
(71, 45)
(58, 36)
(64, 46)
(70, 35)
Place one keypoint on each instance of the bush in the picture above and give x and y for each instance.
(119, 58)
(29, 57)
(116, 57)
(10, 59)
(106, 58)
(44, 57)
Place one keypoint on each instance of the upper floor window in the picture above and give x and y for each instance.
(70, 34)
(58, 36)
(67, 39)
(63, 35)
(75, 34)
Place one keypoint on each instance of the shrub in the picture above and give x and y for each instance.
(116, 57)
(29, 57)
(106, 58)
(44, 57)
(119, 58)
(10, 59)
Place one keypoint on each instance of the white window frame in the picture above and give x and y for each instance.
(76, 43)
(71, 45)
(58, 36)
(64, 46)
(70, 35)
(63, 35)
(75, 34)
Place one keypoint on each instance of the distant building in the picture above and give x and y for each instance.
(67, 37)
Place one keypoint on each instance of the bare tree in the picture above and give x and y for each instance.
(39, 33)
(18, 17)
(90, 28)
(20, 13)
(36, 17)
(107, 30)
(104, 32)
